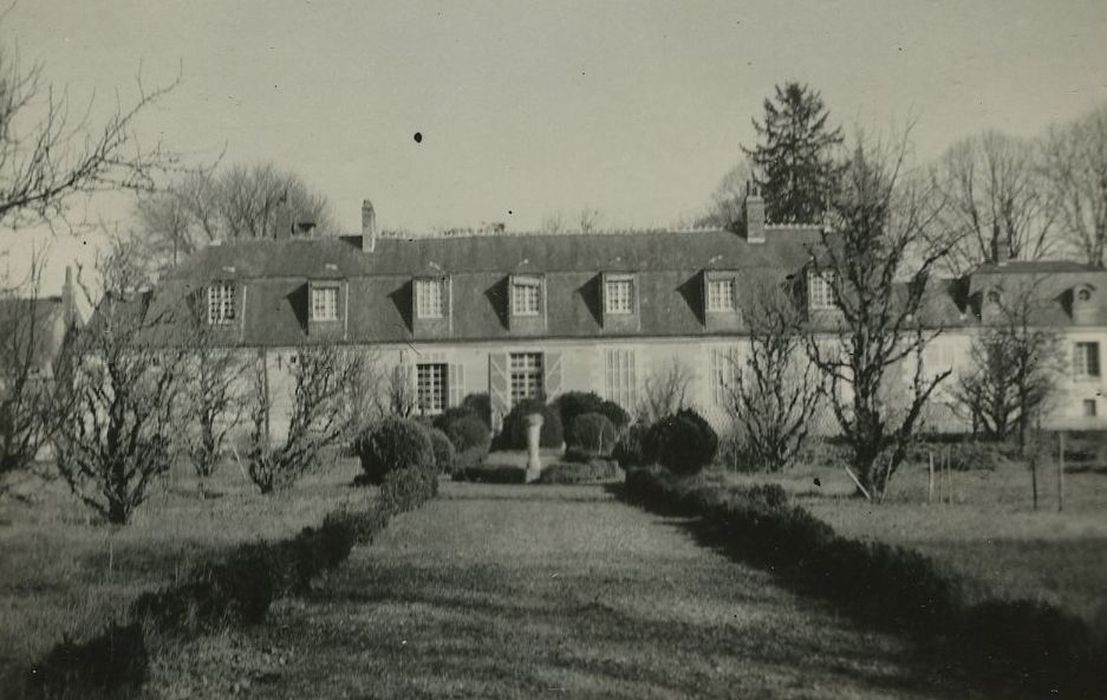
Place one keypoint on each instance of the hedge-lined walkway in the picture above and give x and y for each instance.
(516, 591)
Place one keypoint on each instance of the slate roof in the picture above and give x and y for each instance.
(274, 278)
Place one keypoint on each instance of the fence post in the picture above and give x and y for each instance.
(930, 480)
(1060, 471)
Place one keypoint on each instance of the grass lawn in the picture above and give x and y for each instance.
(522, 591)
(63, 574)
(990, 534)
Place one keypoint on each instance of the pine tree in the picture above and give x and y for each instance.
(793, 163)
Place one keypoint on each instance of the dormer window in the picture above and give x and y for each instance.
(820, 291)
(1084, 294)
(324, 303)
(526, 296)
(221, 303)
(618, 294)
(430, 297)
(721, 295)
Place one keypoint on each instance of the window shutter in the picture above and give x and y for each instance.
(552, 381)
(456, 379)
(1093, 359)
(499, 388)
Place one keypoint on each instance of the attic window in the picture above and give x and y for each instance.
(820, 291)
(221, 303)
(721, 295)
(324, 304)
(993, 297)
(430, 298)
(1084, 294)
(618, 295)
(526, 296)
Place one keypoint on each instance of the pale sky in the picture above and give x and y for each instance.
(633, 108)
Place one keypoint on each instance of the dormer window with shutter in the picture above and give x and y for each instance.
(221, 303)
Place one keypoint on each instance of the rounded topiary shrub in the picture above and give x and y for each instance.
(468, 433)
(576, 403)
(616, 414)
(683, 443)
(628, 449)
(514, 432)
(390, 444)
(445, 456)
(593, 432)
(479, 405)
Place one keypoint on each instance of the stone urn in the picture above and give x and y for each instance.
(534, 432)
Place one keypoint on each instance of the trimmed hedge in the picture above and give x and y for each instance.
(572, 404)
(580, 472)
(628, 449)
(445, 455)
(1019, 645)
(496, 474)
(236, 590)
(468, 432)
(392, 444)
(684, 442)
(591, 432)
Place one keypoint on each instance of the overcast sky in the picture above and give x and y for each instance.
(635, 109)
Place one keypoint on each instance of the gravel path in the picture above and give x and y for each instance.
(517, 591)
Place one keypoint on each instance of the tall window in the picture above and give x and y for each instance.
(618, 295)
(525, 297)
(526, 376)
(430, 298)
(720, 295)
(221, 302)
(324, 304)
(430, 384)
(820, 291)
(1090, 408)
(620, 380)
(1085, 360)
(723, 361)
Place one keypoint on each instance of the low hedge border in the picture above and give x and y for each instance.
(236, 590)
(1013, 645)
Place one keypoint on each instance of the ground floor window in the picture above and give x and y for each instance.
(526, 376)
(1090, 408)
(430, 382)
(1085, 359)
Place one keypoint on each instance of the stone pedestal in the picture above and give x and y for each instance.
(534, 459)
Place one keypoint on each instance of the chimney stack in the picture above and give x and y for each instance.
(1001, 252)
(368, 227)
(755, 214)
(69, 297)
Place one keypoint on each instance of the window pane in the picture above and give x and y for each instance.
(526, 376)
(324, 304)
(720, 295)
(525, 298)
(221, 302)
(430, 298)
(618, 295)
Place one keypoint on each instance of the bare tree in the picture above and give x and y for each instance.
(237, 203)
(1074, 159)
(878, 322)
(325, 386)
(123, 382)
(214, 403)
(1014, 364)
(589, 220)
(553, 223)
(727, 201)
(51, 152)
(29, 415)
(777, 389)
(402, 399)
(665, 391)
(995, 202)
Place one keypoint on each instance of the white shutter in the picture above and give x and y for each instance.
(456, 378)
(552, 379)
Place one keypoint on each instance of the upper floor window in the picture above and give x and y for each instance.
(820, 290)
(430, 298)
(1084, 294)
(526, 296)
(221, 302)
(721, 295)
(618, 295)
(1085, 359)
(324, 304)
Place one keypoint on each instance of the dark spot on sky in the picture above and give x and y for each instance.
(509, 211)
(418, 137)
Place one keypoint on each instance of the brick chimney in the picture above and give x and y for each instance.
(755, 214)
(368, 227)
